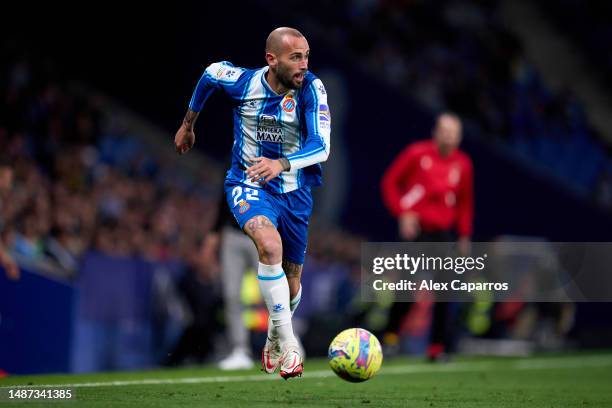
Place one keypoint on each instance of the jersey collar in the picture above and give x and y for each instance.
(269, 88)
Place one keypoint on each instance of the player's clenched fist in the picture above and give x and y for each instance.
(184, 139)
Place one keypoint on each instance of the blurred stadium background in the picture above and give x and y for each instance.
(108, 225)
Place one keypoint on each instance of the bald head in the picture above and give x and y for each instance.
(287, 53)
(447, 132)
(274, 43)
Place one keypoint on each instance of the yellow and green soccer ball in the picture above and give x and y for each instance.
(355, 355)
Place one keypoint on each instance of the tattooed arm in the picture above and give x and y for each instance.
(185, 136)
(219, 75)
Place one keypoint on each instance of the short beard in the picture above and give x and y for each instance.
(286, 82)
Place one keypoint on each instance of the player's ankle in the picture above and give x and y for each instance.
(272, 332)
(285, 334)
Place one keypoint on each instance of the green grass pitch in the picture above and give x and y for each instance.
(551, 381)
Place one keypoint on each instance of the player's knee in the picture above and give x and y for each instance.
(270, 249)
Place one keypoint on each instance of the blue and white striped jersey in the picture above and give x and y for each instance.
(295, 125)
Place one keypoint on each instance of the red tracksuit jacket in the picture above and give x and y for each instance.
(439, 189)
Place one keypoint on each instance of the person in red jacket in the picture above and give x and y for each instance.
(429, 189)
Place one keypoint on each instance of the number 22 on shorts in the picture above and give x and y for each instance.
(251, 194)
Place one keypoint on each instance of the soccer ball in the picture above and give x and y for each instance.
(355, 355)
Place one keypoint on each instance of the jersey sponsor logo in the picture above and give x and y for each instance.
(267, 120)
(324, 113)
(321, 89)
(288, 104)
(269, 130)
(278, 307)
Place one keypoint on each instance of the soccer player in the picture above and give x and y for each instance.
(282, 128)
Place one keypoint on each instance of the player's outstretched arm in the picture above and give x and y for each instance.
(185, 136)
(219, 75)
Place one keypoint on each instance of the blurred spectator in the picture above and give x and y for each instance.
(6, 261)
(429, 188)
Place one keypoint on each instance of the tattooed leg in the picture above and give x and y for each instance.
(266, 238)
(294, 274)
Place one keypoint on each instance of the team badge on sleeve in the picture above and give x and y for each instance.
(324, 113)
(223, 71)
(220, 72)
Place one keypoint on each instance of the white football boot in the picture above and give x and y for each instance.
(291, 361)
(270, 356)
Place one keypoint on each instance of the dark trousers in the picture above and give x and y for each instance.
(440, 332)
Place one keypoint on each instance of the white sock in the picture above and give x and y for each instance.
(275, 292)
(293, 304)
(295, 301)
